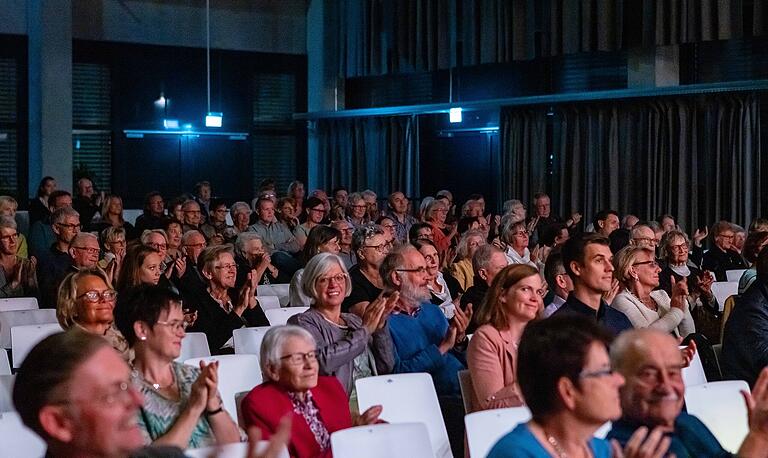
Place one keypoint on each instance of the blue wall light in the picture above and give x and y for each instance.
(171, 123)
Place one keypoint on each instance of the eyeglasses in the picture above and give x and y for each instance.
(299, 358)
(647, 240)
(117, 242)
(651, 263)
(383, 248)
(680, 247)
(726, 236)
(338, 278)
(420, 269)
(108, 295)
(195, 245)
(176, 325)
(157, 246)
(87, 249)
(122, 393)
(359, 206)
(192, 211)
(322, 210)
(10, 237)
(521, 233)
(227, 267)
(597, 374)
(69, 226)
(388, 226)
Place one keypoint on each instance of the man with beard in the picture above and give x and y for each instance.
(423, 337)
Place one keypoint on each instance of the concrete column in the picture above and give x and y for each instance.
(653, 67)
(49, 25)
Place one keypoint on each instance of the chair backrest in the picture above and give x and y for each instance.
(722, 290)
(18, 440)
(248, 340)
(6, 393)
(734, 275)
(194, 345)
(235, 450)
(694, 374)
(280, 290)
(18, 303)
(486, 427)
(277, 317)
(720, 406)
(239, 405)
(13, 318)
(382, 441)
(407, 398)
(236, 373)
(5, 365)
(268, 302)
(467, 390)
(23, 338)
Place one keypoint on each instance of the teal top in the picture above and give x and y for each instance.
(158, 414)
(521, 443)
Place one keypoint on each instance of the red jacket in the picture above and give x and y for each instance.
(266, 404)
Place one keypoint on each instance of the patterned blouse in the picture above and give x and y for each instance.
(158, 414)
(311, 414)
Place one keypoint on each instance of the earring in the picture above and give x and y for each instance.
(143, 338)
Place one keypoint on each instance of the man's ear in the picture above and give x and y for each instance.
(56, 423)
(576, 268)
(396, 280)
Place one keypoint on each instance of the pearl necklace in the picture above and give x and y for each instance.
(650, 303)
(558, 449)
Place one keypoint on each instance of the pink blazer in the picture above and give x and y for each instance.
(492, 357)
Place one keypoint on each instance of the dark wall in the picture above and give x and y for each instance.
(173, 164)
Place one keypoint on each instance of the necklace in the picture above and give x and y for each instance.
(157, 386)
(650, 303)
(558, 449)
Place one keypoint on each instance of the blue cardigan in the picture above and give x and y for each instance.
(416, 340)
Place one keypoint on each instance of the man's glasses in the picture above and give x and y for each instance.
(87, 249)
(299, 358)
(93, 296)
(383, 248)
(421, 270)
(10, 237)
(226, 267)
(69, 226)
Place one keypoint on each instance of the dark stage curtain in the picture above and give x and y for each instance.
(381, 154)
(523, 153)
(695, 157)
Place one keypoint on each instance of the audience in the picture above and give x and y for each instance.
(41, 232)
(113, 244)
(182, 406)
(722, 257)
(349, 347)
(487, 262)
(398, 210)
(558, 281)
(193, 215)
(515, 298)
(645, 306)
(444, 290)
(57, 263)
(322, 239)
(316, 404)
(153, 216)
(605, 222)
(346, 253)
(8, 207)
(141, 266)
(215, 228)
(442, 234)
(356, 210)
(86, 302)
(173, 233)
(678, 265)
(86, 201)
(241, 215)
(745, 338)
(567, 382)
(250, 255)
(753, 246)
(370, 247)
(18, 275)
(315, 214)
(39, 207)
(277, 237)
(111, 215)
(587, 259)
(462, 269)
(217, 313)
(654, 392)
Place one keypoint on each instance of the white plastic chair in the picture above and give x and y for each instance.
(194, 345)
(236, 450)
(735, 274)
(407, 398)
(6, 393)
(268, 302)
(486, 427)
(382, 441)
(18, 440)
(236, 373)
(18, 303)
(722, 290)
(720, 406)
(248, 340)
(24, 338)
(277, 317)
(278, 289)
(13, 318)
(694, 374)
(5, 365)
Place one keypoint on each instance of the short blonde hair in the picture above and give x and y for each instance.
(66, 303)
(625, 258)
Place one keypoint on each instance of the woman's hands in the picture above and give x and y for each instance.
(247, 297)
(376, 313)
(368, 417)
(679, 298)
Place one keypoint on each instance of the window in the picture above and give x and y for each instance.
(91, 119)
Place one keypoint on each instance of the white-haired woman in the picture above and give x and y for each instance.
(348, 346)
(292, 386)
(241, 215)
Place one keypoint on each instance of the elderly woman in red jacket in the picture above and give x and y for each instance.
(318, 404)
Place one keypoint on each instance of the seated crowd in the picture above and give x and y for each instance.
(583, 325)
